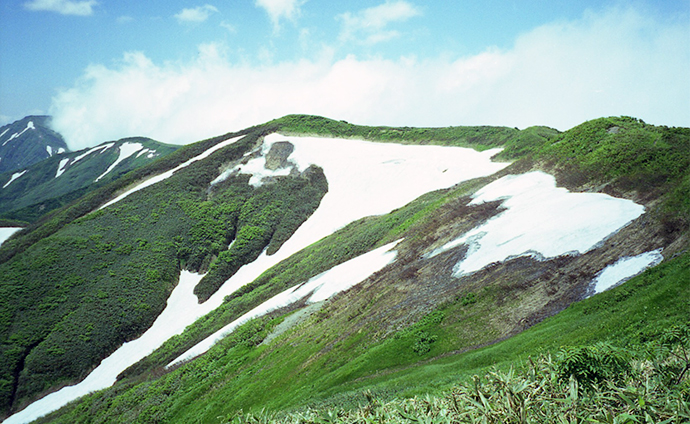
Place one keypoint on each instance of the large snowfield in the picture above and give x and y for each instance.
(366, 178)
(539, 220)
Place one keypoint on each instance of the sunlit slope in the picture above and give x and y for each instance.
(394, 318)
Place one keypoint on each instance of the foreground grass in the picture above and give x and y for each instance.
(597, 384)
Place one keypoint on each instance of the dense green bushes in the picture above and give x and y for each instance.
(265, 220)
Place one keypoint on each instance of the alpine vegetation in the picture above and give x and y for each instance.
(312, 270)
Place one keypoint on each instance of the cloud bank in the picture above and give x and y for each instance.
(616, 63)
(63, 7)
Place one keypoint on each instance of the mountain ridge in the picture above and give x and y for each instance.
(55, 181)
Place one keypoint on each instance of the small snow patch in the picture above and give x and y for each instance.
(126, 150)
(49, 150)
(29, 126)
(60, 151)
(62, 167)
(624, 269)
(14, 177)
(91, 150)
(4, 132)
(6, 232)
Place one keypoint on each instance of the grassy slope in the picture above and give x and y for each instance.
(244, 376)
(234, 376)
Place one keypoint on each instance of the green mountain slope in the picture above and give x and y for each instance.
(60, 179)
(78, 284)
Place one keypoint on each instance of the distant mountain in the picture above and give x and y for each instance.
(28, 141)
(33, 191)
(308, 262)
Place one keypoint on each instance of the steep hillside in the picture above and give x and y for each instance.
(56, 181)
(334, 264)
(28, 141)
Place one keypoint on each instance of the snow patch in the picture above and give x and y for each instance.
(88, 152)
(4, 132)
(49, 150)
(29, 126)
(6, 232)
(126, 150)
(367, 178)
(14, 177)
(318, 288)
(168, 174)
(540, 220)
(151, 153)
(62, 167)
(60, 151)
(624, 269)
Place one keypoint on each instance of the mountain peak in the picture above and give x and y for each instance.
(28, 141)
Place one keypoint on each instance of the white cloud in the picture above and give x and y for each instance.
(229, 27)
(370, 25)
(64, 7)
(195, 15)
(616, 63)
(124, 19)
(279, 9)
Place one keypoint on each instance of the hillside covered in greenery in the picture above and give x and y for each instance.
(61, 179)
(83, 280)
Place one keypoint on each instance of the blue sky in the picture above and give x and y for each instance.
(179, 71)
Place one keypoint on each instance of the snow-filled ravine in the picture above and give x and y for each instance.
(540, 220)
(318, 288)
(364, 178)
